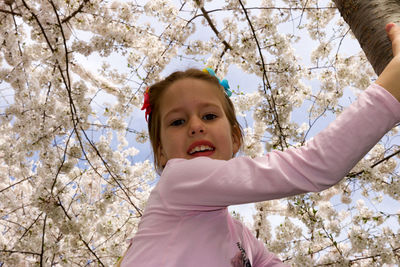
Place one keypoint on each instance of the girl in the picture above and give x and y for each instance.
(195, 135)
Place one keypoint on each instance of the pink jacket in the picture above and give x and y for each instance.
(186, 222)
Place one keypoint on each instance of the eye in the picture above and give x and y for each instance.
(177, 122)
(209, 117)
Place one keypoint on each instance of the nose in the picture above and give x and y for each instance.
(196, 126)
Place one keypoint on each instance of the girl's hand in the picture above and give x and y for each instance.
(393, 31)
(390, 77)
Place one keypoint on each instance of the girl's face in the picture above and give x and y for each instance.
(194, 124)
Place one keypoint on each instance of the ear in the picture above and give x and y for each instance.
(236, 141)
(161, 157)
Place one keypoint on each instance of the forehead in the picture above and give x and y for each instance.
(189, 92)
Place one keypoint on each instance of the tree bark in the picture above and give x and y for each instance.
(367, 20)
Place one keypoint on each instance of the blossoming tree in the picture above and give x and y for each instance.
(72, 187)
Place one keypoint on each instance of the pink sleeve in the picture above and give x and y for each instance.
(206, 184)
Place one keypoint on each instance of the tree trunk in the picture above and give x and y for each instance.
(367, 20)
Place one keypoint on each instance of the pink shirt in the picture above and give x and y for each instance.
(186, 221)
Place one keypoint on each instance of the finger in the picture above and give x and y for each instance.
(393, 32)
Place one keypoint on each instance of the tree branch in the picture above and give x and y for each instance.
(79, 9)
(17, 251)
(91, 251)
(43, 238)
(40, 25)
(30, 226)
(354, 174)
(10, 12)
(266, 83)
(10, 186)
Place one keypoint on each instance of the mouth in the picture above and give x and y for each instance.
(201, 148)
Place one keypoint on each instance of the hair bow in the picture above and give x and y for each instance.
(224, 82)
(146, 103)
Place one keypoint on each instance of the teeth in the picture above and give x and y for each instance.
(200, 148)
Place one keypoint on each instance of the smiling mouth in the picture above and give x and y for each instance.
(201, 148)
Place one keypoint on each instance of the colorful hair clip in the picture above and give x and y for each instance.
(146, 103)
(224, 82)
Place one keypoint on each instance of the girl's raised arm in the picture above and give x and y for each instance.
(206, 184)
(321, 163)
(390, 77)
